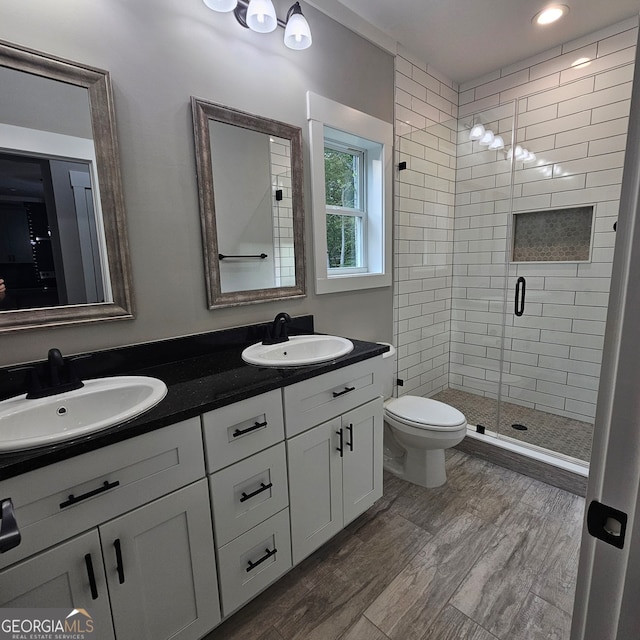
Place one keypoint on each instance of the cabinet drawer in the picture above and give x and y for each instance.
(68, 497)
(253, 561)
(239, 430)
(248, 492)
(319, 399)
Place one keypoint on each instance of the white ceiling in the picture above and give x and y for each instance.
(466, 39)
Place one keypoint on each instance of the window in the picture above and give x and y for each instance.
(344, 177)
(351, 185)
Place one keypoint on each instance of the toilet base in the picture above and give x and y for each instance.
(424, 468)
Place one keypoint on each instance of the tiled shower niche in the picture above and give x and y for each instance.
(553, 235)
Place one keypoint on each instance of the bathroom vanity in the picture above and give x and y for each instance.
(164, 526)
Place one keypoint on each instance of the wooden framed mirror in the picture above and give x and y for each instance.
(251, 205)
(64, 253)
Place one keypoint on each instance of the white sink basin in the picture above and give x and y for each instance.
(297, 351)
(100, 404)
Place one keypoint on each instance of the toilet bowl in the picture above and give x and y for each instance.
(416, 433)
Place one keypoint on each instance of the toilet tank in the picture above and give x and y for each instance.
(390, 362)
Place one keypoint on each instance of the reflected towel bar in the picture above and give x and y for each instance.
(262, 256)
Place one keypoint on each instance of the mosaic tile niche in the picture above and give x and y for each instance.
(554, 235)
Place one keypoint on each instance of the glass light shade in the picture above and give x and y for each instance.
(518, 152)
(297, 34)
(261, 16)
(487, 138)
(477, 131)
(221, 5)
(498, 143)
(532, 156)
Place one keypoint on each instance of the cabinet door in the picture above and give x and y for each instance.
(161, 569)
(69, 576)
(315, 488)
(362, 462)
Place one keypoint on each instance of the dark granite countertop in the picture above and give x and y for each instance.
(196, 384)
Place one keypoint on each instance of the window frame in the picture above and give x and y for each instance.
(327, 120)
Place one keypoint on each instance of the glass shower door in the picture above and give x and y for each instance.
(566, 192)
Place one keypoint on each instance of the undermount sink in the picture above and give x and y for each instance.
(99, 404)
(298, 351)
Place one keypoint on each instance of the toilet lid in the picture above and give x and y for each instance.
(425, 411)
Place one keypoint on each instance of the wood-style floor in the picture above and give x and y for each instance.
(492, 555)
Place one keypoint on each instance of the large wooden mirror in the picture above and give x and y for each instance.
(63, 247)
(251, 205)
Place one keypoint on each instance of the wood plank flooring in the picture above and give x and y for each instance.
(492, 555)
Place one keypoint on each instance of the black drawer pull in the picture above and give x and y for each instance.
(10, 535)
(119, 563)
(263, 487)
(73, 499)
(337, 394)
(341, 447)
(92, 577)
(349, 428)
(241, 432)
(266, 556)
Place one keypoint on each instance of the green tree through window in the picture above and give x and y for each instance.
(343, 178)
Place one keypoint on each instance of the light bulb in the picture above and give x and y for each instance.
(487, 138)
(498, 143)
(297, 34)
(551, 14)
(221, 5)
(477, 131)
(261, 16)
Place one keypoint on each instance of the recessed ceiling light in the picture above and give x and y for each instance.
(551, 14)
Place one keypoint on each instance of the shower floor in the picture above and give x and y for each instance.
(556, 433)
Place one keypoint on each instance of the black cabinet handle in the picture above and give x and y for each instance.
(337, 394)
(74, 499)
(341, 447)
(521, 288)
(241, 432)
(263, 487)
(10, 535)
(266, 556)
(119, 563)
(349, 428)
(92, 577)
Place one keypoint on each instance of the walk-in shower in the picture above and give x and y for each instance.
(504, 255)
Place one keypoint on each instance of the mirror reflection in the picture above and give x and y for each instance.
(63, 248)
(49, 242)
(250, 184)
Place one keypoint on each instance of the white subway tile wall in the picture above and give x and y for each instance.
(426, 112)
(284, 254)
(452, 217)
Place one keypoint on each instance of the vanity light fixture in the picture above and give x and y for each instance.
(260, 16)
(550, 14)
(485, 137)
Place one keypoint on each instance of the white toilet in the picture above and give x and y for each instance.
(417, 431)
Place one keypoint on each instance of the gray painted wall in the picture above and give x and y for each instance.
(159, 53)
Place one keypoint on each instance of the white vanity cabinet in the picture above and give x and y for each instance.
(246, 457)
(335, 467)
(146, 568)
